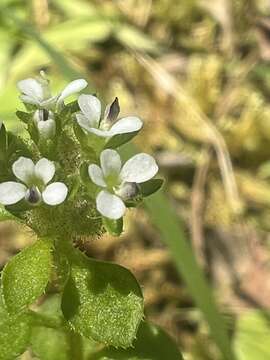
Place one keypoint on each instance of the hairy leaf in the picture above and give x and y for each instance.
(26, 275)
(152, 343)
(14, 334)
(102, 301)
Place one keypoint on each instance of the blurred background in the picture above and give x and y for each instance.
(197, 72)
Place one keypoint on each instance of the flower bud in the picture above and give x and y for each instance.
(45, 123)
(112, 111)
(128, 190)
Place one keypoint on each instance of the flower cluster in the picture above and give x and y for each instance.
(114, 185)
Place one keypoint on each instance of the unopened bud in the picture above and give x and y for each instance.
(112, 111)
(128, 190)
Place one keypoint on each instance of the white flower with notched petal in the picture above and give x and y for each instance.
(90, 118)
(37, 91)
(34, 189)
(44, 120)
(119, 183)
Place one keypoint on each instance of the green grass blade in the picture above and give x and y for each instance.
(171, 230)
(66, 69)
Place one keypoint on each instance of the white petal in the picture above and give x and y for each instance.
(101, 133)
(84, 122)
(45, 170)
(126, 125)
(47, 128)
(91, 108)
(24, 169)
(110, 162)
(139, 168)
(29, 100)
(11, 192)
(72, 88)
(110, 206)
(96, 175)
(31, 87)
(55, 193)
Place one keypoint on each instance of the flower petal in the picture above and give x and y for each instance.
(96, 175)
(98, 132)
(11, 192)
(29, 100)
(91, 108)
(73, 87)
(47, 128)
(110, 162)
(45, 170)
(24, 169)
(126, 125)
(55, 193)
(139, 168)
(84, 122)
(110, 206)
(32, 88)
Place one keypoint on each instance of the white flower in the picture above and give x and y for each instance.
(45, 123)
(37, 91)
(119, 183)
(90, 118)
(34, 189)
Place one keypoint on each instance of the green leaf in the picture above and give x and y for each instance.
(24, 116)
(136, 39)
(26, 276)
(14, 334)
(114, 227)
(51, 344)
(252, 336)
(3, 141)
(50, 340)
(152, 343)
(102, 301)
(150, 187)
(5, 215)
(120, 139)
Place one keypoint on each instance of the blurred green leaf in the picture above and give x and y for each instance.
(150, 187)
(72, 35)
(80, 8)
(252, 336)
(51, 344)
(26, 276)
(152, 343)
(136, 39)
(6, 215)
(50, 337)
(102, 301)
